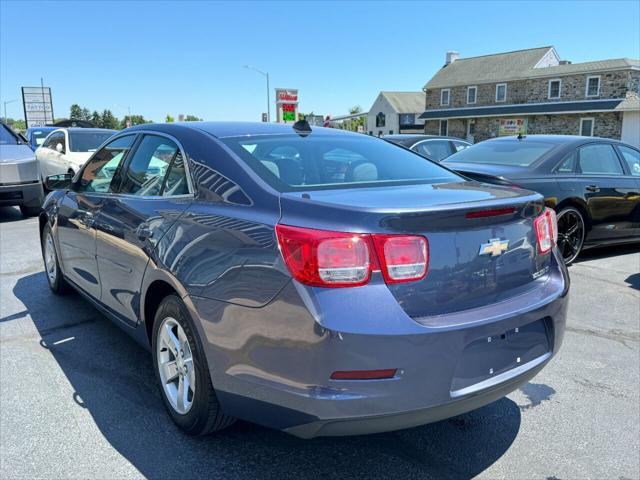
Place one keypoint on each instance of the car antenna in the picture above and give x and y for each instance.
(302, 127)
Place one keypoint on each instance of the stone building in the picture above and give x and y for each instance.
(533, 92)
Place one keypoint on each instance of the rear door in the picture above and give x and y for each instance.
(77, 214)
(608, 191)
(631, 160)
(154, 191)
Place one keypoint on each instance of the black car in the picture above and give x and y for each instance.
(592, 183)
(432, 147)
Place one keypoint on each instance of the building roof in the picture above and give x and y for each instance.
(521, 64)
(525, 109)
(406, 102)
(629, 103)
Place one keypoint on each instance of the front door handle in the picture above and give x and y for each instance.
(144, 232)
(592, 188)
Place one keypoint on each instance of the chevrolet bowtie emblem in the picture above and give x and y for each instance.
(495, 247)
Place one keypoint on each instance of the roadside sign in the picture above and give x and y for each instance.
(38, 107)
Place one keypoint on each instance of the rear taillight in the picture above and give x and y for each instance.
(403, 258)
(546, 227)
(339, 259)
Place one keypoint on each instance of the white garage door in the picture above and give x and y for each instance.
(631, 128)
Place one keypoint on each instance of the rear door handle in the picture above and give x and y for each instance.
(592, 188)
(144, 232)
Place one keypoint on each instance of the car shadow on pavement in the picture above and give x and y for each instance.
(113, 379)
(607, 251)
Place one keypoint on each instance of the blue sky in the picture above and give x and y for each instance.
(187, 57)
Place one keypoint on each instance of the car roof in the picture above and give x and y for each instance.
(45, 128)
(81, 129)
(555, 139)
(237, 129)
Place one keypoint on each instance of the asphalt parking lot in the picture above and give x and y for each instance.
(78, 399)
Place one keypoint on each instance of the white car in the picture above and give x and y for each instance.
(66, 149)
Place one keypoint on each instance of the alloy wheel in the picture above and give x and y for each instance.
(50, 260)
(570, 234)
(175, 365)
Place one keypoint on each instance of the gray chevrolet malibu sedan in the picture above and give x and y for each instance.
(315, 281)
(20, 182)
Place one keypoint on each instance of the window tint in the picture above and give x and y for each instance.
(146, 171)
(568, 165)
(599, 159)
(508, 152)
(7, 137)
(176, 180)
(632, 157)
(333, 161)
(101, 168)
(435, 150)
(460, 145)
(87, 141)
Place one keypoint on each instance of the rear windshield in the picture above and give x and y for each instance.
(294, 162)
(38, 136)
(87, 141)
(516, 153)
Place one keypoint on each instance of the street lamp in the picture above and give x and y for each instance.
(266, 75)
(5, 108)
(128, 110)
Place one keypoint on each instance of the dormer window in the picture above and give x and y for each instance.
(554, 89)
(445, 93)
(593, 86)
(501, 92)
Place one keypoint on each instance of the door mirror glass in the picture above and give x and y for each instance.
(58, 182)
(59, 148)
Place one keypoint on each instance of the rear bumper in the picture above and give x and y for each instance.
(28, 194)
(272, 365)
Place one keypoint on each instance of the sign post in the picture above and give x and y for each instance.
(286, 105)
(38, 107)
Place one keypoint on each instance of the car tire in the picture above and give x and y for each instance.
(55, 279)
(181, 368)
(29, 211)
(571, 233)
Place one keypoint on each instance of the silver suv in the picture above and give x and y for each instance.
(20, 182)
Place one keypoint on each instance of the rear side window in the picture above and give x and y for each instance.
(294, 162)
(599, 159)
(99, 171)
(434, 149)
(87, 141)
(151, 163)
(568, 165)
(509, 152)
(632, 157)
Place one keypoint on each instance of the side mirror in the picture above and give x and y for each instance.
(58, 182)
(59, 148)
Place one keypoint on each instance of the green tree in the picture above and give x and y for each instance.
(17, 125)
(192, 118)
(169, 119)
(108, 120)
(96, 119)
(135, 120)
(85, 115)
(75, 112)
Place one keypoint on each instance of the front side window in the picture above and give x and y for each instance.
(586, 127)
(444, 96)
(632, 158)
(334, 161)
(145, 173)
(380, 119)
(599, 159)
(501, 92)
(55, 139)
(87, 140)
(444, 128)
(471, 94)
(99, 171)
(593, 86)
(554, 89)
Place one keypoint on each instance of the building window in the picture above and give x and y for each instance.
(586, 127)
(471, 94)
(444, 96)
(593, 86)
(501, 92)
(554, 88)
(380, 120)
(407, 119)
(444, 128)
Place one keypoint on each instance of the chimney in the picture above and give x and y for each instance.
(451, 57)
(565, 62)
